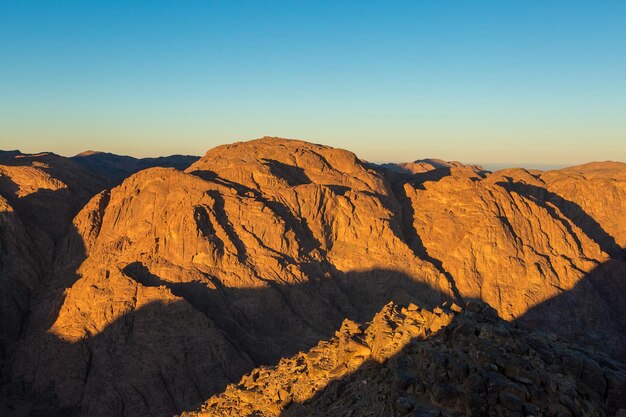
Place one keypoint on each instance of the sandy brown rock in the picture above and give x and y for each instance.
(274, 267)
(415, 362)
(518, 239)
(173, 284)
(46, 189)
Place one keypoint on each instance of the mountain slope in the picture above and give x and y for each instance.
(173, 284)
(533, 228)
(411, 361)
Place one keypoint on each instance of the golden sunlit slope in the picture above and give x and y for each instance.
(173, 284)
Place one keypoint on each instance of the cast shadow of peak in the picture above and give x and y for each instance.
(307, 312)
(8, 188)
(592, 313)
(417, 180)
(292, 174)
(569, 209)
(409, 234)
(437, 174)
(166, 359)
(292, 222)
(570, 333)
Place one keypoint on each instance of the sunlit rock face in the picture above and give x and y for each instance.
(166, 288)
(416, 362)
(39, 196)
(46, 189)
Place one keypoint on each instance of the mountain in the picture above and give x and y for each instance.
(424, 165)
(415, 362)
(47, 189)
(39, 196)
(168, 287)
(114, 168)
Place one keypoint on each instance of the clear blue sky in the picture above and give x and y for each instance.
(501, 81)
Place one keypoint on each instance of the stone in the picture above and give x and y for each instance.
(405, 404)
(456, 308)
(510, 401)
(153, 290)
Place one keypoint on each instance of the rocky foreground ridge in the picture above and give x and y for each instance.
(415, 362)
(154, 295)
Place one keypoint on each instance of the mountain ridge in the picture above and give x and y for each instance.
(261, 249)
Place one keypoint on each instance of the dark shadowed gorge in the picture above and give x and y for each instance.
(278, 277)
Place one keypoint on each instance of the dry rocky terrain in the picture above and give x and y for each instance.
(415, 362)
(154, 296)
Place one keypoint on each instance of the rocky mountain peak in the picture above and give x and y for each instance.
(150, 287)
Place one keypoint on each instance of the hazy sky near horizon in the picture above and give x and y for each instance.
(500, 81)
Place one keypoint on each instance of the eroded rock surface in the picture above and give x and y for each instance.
(163, 290)
(415, 362)
(531, 244)
(39, 196)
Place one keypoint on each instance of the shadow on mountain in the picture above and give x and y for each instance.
(45, 215)
(434, 175)
(407, 219)
(592, 313)
(8, 188)
(293, 175)
(167, 357)
(590, 319)
(571, 210)
(164, 358)
(478, 365)
(115, 168)
(315, 309)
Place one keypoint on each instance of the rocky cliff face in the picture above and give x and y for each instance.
(39, 196)
(168, 287)
(46, 189)
(519, 239)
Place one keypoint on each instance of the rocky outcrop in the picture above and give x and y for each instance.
(518, 240)
(168, 287)
(415, 362)
(46, 190)
(39, 196)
